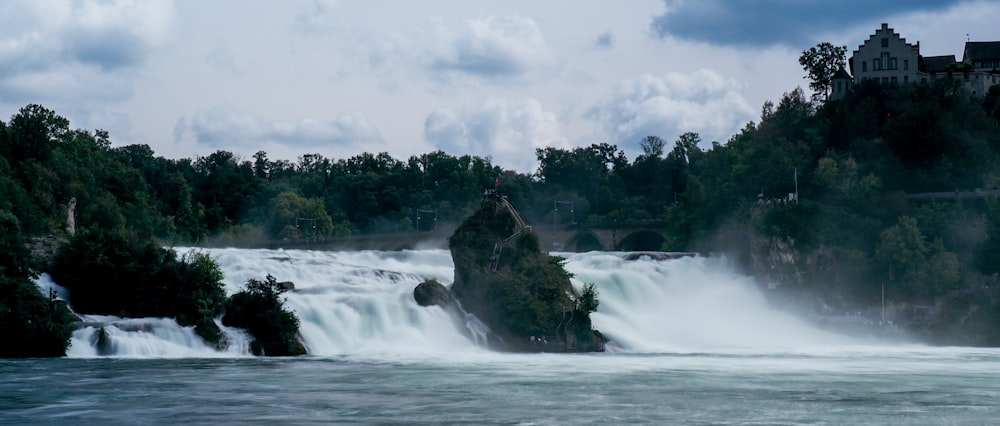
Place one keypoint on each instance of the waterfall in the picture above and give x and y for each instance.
(361, 304)
(690, 304)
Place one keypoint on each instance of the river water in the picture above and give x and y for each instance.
(693, 343)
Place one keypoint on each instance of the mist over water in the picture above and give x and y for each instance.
(360, 304)
(691, 304)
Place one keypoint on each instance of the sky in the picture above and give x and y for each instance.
(494, 79)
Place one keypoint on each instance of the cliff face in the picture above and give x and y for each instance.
(503, 278)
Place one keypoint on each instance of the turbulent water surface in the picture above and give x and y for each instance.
(693, 343)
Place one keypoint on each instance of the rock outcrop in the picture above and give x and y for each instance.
(433, 293)
(519, 292)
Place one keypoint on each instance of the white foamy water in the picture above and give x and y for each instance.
(360, 304)
(691, 304)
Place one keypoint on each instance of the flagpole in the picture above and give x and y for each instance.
(796, 186)
(883, 306)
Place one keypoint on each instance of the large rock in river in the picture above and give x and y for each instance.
(503, 278)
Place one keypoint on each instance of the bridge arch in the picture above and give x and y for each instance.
(582, 242)
(642, 240)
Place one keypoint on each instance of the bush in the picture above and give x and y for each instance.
(259, 309)
(199, 295)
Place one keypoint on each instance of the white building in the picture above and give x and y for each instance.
(983, 57)
(887, 58)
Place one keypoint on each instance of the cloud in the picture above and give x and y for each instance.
(666, 106)
(222, 127)
(504, 129)
(605, 40)
(317, 19)
(52, 49)
(223, 60)
(495, 46)
(770, 22)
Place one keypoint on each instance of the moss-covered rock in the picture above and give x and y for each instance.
(503, 278)
(433, 293)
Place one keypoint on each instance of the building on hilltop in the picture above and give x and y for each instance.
(887, 58)
(840, 84)
(932, 66)
(984, 59)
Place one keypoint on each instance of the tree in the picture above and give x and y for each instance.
(652, 146)
(821, 63)
(902, 247)
(32, 134)
(260, 309)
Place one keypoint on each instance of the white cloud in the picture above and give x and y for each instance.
(666, 106)
(506, 130)
(228, 129)
(493, 49)
(76, 50)
(492, 46)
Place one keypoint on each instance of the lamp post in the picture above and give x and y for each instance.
(555, 211)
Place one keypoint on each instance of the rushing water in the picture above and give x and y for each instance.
(693, 343)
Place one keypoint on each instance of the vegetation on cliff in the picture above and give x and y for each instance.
(503, 278)
(31, 324)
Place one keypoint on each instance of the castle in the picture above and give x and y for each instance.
(888, 59)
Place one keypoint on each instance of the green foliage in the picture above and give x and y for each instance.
(916, 268)
(588, 299)
(294, 217)
(821, 63)
(31, 325)
(260, 309)
(115, 273)
(199, 295)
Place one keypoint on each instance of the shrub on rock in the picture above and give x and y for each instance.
(260, 310)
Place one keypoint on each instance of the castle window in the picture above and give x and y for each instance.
(885, 61)
(892, 63)
(864, 66)
(906, 64)
(876, 64)
(885, 42)
(906, 79)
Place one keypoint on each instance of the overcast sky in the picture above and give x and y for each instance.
(488, 78)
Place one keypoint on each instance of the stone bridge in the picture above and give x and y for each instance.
(637, 236)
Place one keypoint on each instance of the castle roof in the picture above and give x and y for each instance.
(841, 73)
(933, 64)
(978, 50)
